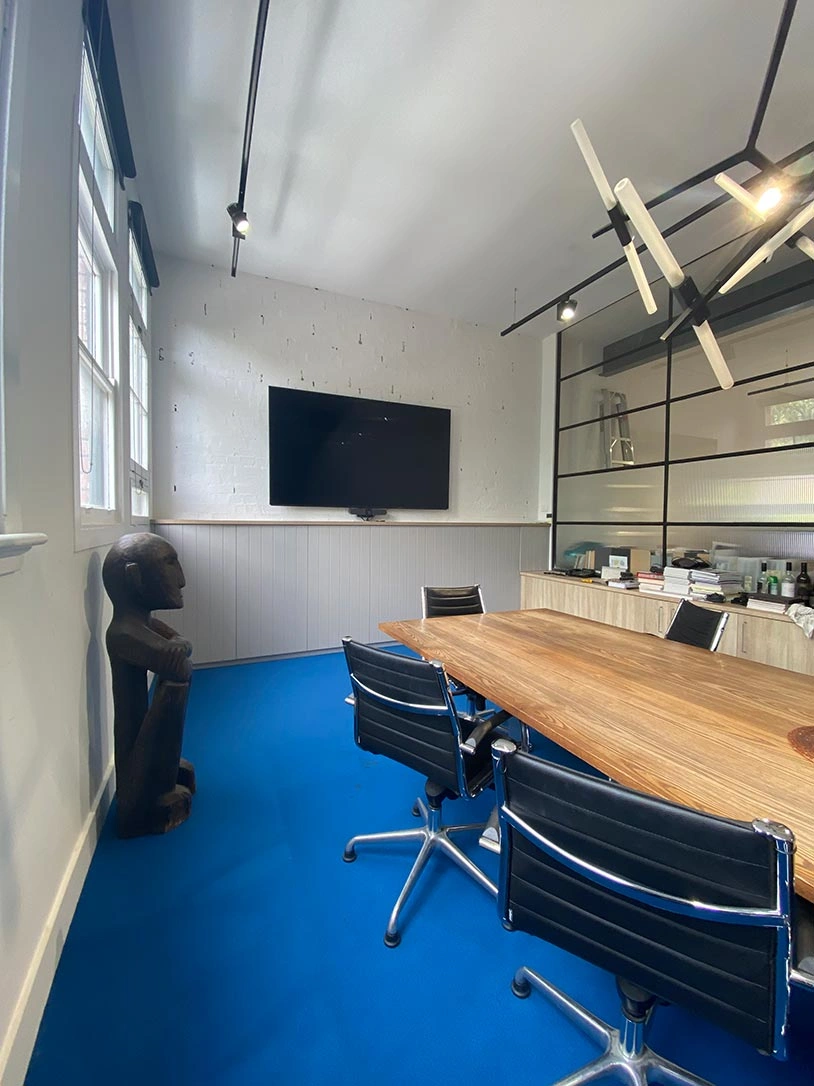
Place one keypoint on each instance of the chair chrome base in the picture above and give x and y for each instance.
(626, 1058)
(433, 836)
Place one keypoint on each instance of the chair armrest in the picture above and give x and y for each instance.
(487, 722)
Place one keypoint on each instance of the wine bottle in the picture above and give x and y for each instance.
(802, 586)
(787, 585)
(763, 579)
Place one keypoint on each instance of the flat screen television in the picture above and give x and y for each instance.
(335, 451)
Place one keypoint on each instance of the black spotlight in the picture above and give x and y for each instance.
(240, 220)
(567, 310)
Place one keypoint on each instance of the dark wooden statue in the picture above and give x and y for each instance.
(141, 573)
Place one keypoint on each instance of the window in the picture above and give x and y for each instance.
(780, 414)
(94, 139)
(98, 410)
(139, 387)
(96, 327)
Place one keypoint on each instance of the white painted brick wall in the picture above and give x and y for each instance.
(219, 342)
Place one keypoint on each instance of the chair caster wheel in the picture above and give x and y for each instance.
(392, 940)
(349, 855)
(416, 811)
(522, 989)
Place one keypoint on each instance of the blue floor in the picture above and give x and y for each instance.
(241, 950)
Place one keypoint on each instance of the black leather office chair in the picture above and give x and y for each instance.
(465, 600)
(697, 626)
(402, 708)
(683, 907)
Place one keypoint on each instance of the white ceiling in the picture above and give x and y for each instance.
(418, 152)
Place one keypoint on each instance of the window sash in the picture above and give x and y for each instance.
(97, 446)
(139, 403)
(139, 289)
(94, 137)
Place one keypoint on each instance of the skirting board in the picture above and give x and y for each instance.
(18, 1044)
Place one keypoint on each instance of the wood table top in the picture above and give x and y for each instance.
(695, 727)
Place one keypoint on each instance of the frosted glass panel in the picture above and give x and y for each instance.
(738, 548)
(574, 539)
(787, 340)
(632, 495)
(775, 487)
(582, 397)
(744, 417)
(616, 441)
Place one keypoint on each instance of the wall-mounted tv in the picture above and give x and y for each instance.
(336, 451)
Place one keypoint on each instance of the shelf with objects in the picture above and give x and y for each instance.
(764, 637)
(656, 463)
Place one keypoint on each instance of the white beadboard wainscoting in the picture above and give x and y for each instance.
(257, 590)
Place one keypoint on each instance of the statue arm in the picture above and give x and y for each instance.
(163, 630)
(142, 646)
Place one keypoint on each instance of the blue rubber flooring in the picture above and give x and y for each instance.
(240, 949)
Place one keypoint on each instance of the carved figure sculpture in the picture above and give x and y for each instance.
(141, 573)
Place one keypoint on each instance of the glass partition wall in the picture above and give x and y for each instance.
(652, 454)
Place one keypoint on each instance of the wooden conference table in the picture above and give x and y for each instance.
(699, 728)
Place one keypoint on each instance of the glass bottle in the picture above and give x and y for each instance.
(763, 579)
(774, 583)
(802, 586)
(787, 585)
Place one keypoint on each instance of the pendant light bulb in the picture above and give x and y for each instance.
(769, 199)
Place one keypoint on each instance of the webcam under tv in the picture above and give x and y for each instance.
(367, 514)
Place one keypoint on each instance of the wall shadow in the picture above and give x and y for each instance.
(96, 701)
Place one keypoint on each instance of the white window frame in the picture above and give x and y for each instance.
(139, 474)
(7, 29)
(93, 526)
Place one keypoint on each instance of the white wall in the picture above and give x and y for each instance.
(55, 712)
(221, 341)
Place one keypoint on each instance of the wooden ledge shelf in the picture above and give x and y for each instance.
(356, 523)
(13, 545)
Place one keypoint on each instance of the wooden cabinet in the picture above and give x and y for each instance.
(764, 638)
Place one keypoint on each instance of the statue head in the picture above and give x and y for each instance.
(142, 570)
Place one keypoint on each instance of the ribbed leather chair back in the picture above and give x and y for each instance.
(385, 685)
(724, 971)
(466, 600)
(697, 626)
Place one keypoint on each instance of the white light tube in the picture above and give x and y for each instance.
(709, 345)
(593, 164)
(609, 200)
(640, 278)
(651, 235)
(649, 232)
(802, 217)
(724, 181)
(805, 245)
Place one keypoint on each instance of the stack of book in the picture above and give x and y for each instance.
(650, 583)
(619, 583)
(676, 582)
(773, 604)
(709, 582)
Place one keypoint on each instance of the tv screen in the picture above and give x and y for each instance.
(328, 450)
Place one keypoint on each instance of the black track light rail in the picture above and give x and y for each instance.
(750, 153)
(254, 79)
